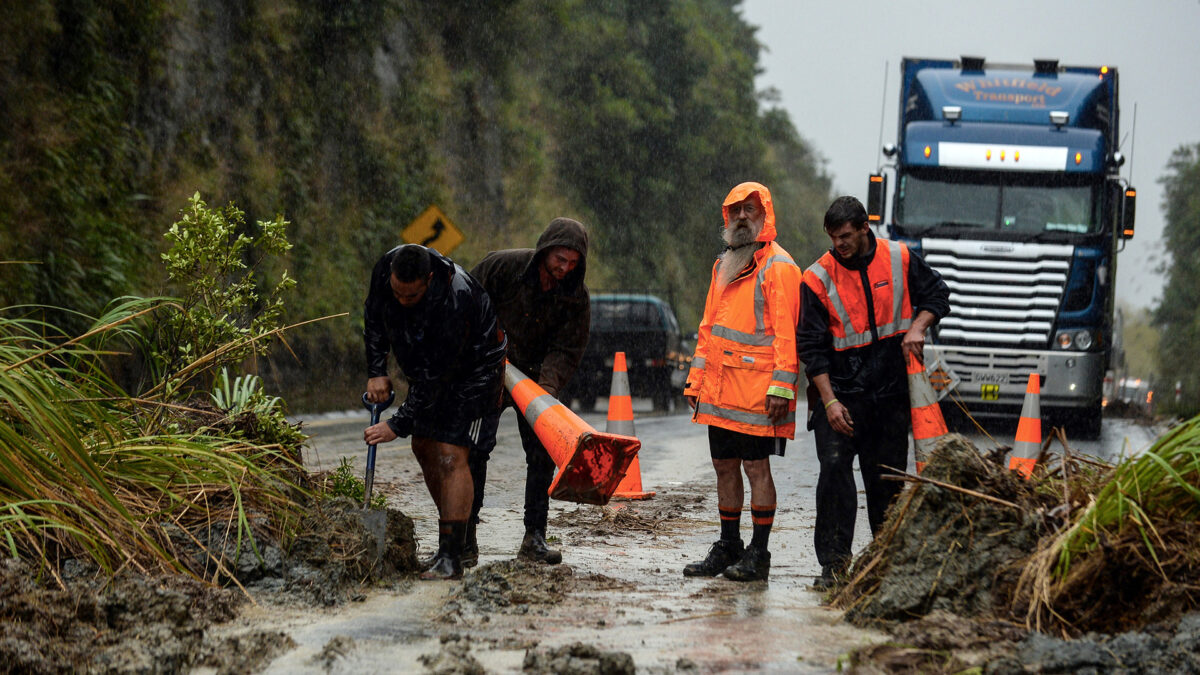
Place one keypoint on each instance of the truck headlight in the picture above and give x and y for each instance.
(1081, 339)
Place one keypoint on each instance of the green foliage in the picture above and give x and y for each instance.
(343, 482)
(1145, 492)
(242, 395)
(352, 117)
(87, 472)
(1177, 316)
(223, 318)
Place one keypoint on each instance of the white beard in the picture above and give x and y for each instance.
(734, 260)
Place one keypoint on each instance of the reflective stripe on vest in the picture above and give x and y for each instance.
(759, 337)
(898, 323)
(757, 419)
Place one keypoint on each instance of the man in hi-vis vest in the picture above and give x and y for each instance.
(866, 304)
(742, 383)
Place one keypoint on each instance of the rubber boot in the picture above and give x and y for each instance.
(428, 561)
(470, 551)
(720, 556)
(535, 549)
(754, 565)
(448, 564)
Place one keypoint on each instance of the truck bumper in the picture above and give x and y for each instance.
(994, 380)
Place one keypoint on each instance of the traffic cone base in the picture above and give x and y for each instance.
(590, 463)
(1022, 465)
(620, 421)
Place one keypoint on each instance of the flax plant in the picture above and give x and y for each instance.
(86, 470)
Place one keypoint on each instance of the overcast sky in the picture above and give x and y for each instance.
(827, 60)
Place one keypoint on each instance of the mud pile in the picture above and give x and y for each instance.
(578, 659)
(942, 549)
(958, 572)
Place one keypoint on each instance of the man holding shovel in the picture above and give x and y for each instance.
(440, 325)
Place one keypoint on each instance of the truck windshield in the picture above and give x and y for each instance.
(1007, 203)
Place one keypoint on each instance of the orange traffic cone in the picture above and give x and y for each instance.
(927, 422)
(590, 463)
(620, 421)
(1029, 430)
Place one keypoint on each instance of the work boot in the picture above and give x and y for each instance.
(470, 551)
(428, 561)
(448, 562)
(754, 565)
(721, 555)
(535, 549)
(828, 578)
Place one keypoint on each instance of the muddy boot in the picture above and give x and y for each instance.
(448, 562)
(828, 578)
(428, 561)
(470, 551)
(535, 549)
(722, 554)
(753, 566)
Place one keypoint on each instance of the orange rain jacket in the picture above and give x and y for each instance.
(746, 346)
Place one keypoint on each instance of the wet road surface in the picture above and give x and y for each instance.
(642, 605)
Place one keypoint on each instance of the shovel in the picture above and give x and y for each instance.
(374, 521)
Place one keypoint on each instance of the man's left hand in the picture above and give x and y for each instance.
(777, 408)
(379, 433)
(914, 343)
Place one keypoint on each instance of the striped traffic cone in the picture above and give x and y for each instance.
(590, 463)
(1029, 430)
(927, 423)
(620, 421)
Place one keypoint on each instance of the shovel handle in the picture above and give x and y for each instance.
(376, 409)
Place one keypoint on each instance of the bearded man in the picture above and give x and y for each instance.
(742, 383)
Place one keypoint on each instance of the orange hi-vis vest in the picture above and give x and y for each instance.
(840, 290)
(746, 347)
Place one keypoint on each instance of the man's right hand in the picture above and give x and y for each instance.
(691, 401)
(839, 418)
(379, 388)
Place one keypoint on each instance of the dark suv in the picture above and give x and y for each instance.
(644, 327)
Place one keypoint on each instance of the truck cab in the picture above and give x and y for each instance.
(1006, 182)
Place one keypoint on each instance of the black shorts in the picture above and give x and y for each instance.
(726, 444)
(450, 429)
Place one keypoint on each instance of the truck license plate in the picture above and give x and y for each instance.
(989, 378)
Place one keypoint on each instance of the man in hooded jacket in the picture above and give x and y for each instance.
(544, 308)
(442, 329)
(742, 383)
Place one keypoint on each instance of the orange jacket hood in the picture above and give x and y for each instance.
(743, 191)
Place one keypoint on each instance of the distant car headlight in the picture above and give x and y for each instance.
(1083, 339)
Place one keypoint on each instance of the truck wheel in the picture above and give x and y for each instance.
(1089, 422)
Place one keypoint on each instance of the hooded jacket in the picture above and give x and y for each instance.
(746, 346)
(547, 330)
(449, 346)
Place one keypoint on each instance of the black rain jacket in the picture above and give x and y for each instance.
(876, 370)
(449, 346)
(547, 330)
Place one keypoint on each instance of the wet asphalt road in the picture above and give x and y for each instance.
(652, 611)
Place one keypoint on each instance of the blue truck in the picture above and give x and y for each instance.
(1007, 181)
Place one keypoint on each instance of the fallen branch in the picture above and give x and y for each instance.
(913, 478)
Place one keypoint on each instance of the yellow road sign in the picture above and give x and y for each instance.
(433, 229)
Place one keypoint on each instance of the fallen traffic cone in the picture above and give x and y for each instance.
(590, 463)
(1029, 430)
(927, 423)
(620, 421)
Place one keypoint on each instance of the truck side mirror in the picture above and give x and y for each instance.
(876, 189)
(1128, 207)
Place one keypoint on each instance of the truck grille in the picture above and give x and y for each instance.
(1002, 294)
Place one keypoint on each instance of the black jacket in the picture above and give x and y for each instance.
(876, 370)
(547, 330)
(449, 345)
